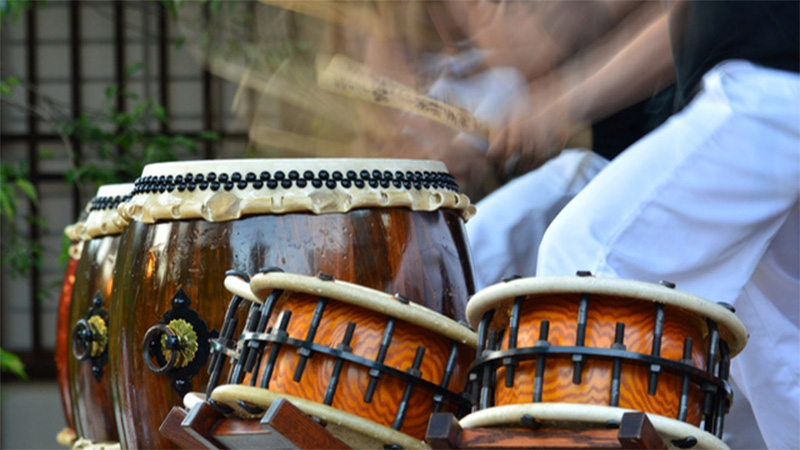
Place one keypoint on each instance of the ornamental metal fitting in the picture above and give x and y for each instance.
(90, 337)
(179, 344)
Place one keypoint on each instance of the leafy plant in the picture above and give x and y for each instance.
(10, 362)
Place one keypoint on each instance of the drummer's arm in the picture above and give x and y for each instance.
(641, 69)
(638, 71)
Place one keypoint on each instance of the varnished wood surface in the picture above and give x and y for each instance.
(283, 426)
(287, 420)
(422, 255)
(92, 407)
(603, 314)
(63, 331)
(171, 429)
(354, 380)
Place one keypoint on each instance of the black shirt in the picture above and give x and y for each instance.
(705, 33)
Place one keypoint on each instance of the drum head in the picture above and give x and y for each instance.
(370, 299)
(500, 297)
(353, 430)
(224, 190)
(510, 415)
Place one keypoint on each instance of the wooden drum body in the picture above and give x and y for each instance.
(88, 330)
(605, 342)
(63, 329)
(194, 221)
(362, 352)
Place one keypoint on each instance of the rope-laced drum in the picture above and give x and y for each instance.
(87, 327)
(390, 225)
(376, 364)
(585, 349)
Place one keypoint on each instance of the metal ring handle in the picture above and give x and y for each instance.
(82, 338)
(154, 332)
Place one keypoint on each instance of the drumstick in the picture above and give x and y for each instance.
(350, 78)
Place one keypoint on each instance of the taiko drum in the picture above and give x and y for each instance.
(360, 351)
(63, 329)
(87, 363)
(593, 341)
(391, 225)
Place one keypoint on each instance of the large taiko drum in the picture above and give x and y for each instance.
(62, 351)
(87, 363)
(586, 349)
(378, 362)
(390, 225)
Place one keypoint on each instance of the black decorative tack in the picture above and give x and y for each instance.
(160, 184)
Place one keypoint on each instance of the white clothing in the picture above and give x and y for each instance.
(509, 224)
(697, 202)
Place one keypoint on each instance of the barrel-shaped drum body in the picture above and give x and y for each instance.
(195, 221)
(616, 343)
(88, 368)
(63, 327)
(358, 350)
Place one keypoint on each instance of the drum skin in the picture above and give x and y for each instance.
(92, 406)
(422, 255)
(561, 310)
(354, 380)
(63, 332)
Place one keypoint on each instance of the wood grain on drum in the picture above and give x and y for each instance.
(603, 313)
(354, 380)
(422, 255)
(92, 405)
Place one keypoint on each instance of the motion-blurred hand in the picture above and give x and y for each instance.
(532, 137)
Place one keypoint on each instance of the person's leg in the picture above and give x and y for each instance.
(698, 202)
(509, 224)
(768, 369)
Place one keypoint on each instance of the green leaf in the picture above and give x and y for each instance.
(10, 362)
(27, 188)
(133, 68)
(209, 136)
(7, 205)
(159, 112)
(111, 91)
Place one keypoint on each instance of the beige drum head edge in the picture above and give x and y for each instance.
(230, 395)
(262, 284)
(318, 186)
(731, 328)
(668, 429)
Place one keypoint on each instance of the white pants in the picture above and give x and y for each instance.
(509, 224)
(698, 202)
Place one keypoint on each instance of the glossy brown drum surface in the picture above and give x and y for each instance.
(183, 245)
(604, 313)
(615, 343)
(88, 358)
(328, 321)
(63, 331)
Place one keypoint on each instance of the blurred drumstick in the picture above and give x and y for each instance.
(352, 79)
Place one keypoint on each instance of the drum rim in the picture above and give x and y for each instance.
(731, 327)
(103, 218)
(230, 394)
(666, 427)
(258, 164)
(232, 189)
(388, 305)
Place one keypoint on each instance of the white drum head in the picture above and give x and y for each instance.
(509, 415)
(501, 296)
(352, 430)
